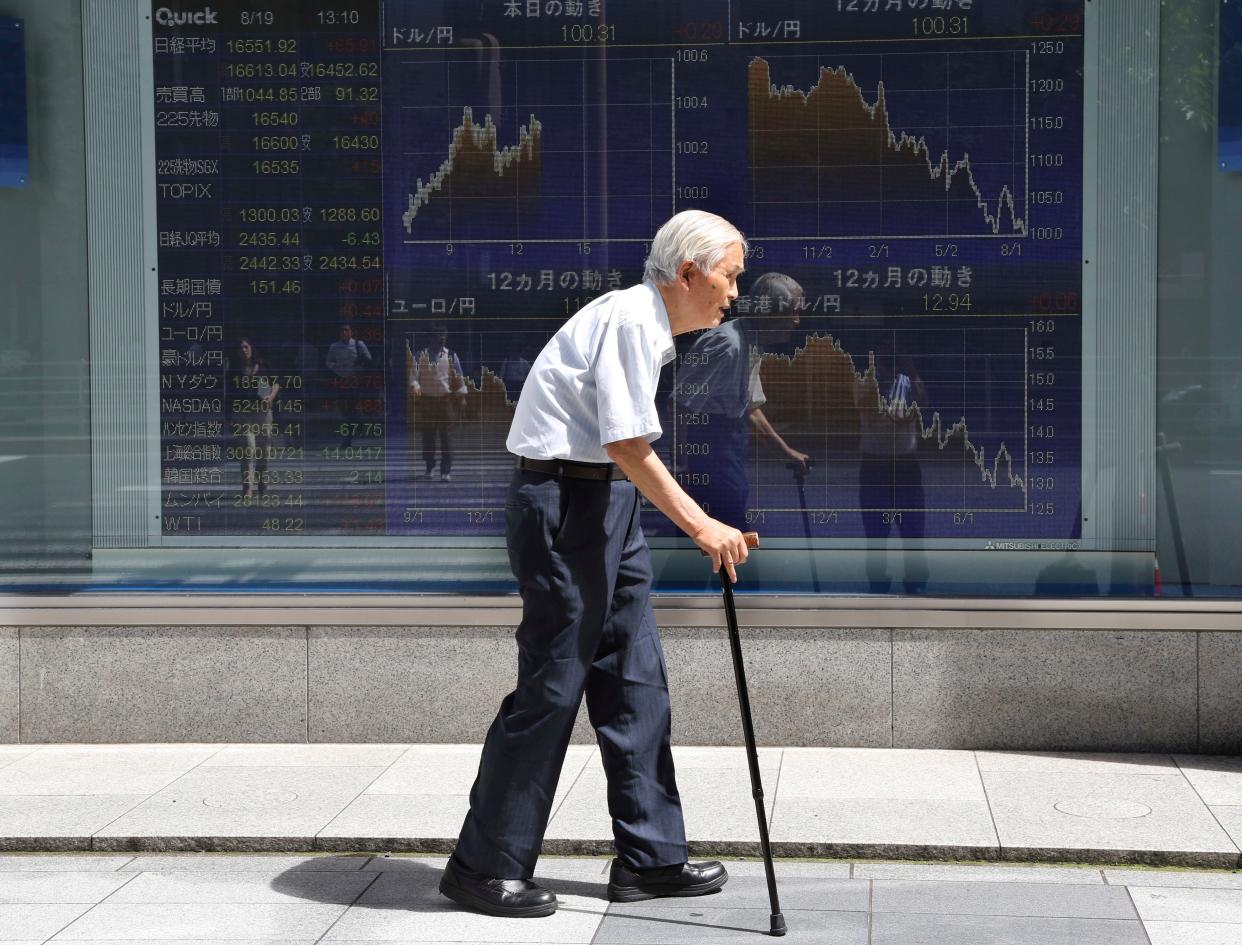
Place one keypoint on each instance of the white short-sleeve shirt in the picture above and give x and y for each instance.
(594, 383)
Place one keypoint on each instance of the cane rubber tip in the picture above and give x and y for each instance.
(778, 925)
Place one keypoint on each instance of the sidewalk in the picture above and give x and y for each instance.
(843, 803)
(301, 900)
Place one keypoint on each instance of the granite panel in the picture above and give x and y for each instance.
(411, 684)
(1053, 690)
(163, 684)
(1220, 693)
(807, 686)
(9, 703)
(428, 684)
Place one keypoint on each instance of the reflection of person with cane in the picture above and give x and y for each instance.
(719, 384)
(582, 432)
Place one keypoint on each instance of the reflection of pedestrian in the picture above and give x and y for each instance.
(513, 374)
(440, 387)
(890, 473)
(250, 392)
(582, 431)
(348, 358)
(718, 383)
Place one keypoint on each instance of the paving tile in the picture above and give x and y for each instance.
(1069, 813)
(206, 941)
(840, 773)
(590, 869)
(314, 756)
(729, 757)
(37, 922)
(1183, 904)
(1193, 933)
(246, 802)
(12, 753)
(1008, 899)
(905, 825)
(391, 816)
(1074, 762)
(716, 801)
(656, 926)
(101, 769)
(24, 820)
(451, 769)
(837, 869)
(1001, 873)
(240, 862)
(64, 887)
(397, 861)
(413, 880)
(64, 862)
(1202, 880)
(424, 915)
(1216, 778)
(276, 886)
(1230, 819)
(194, 921)
(751, 892)
(717, 804)
(898, 929)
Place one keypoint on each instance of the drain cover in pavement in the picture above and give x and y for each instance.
(257, 800)
(1102, 808)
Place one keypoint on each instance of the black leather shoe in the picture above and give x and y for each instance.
(684, 879)
(510, 898)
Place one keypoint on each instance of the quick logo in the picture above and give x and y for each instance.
(166, 16)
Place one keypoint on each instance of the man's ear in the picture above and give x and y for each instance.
(685, 270)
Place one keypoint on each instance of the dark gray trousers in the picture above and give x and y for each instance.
(584, 573)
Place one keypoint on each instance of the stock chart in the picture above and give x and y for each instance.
(372, 216)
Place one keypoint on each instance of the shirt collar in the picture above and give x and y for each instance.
(669, 350)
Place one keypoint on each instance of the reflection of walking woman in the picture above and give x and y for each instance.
(251, 391)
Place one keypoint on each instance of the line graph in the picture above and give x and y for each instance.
(850, 139)
(503, 181)
(534, 151)
(889, 410)
(925, 425)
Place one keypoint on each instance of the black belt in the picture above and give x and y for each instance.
(567, 469)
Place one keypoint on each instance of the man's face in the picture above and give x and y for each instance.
(711, 293)
(346, 333)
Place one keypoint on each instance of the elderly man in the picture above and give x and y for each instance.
(582, 433)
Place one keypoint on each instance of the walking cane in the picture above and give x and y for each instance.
(748, 731)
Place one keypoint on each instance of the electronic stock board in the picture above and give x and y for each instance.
(486, 168)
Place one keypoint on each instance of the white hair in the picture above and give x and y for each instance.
(690, 236)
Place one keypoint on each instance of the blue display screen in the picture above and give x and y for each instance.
(1230, 98)
(469, 175)
(14, 148)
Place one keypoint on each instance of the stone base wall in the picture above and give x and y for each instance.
(1052, 690)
